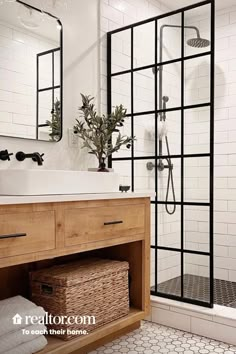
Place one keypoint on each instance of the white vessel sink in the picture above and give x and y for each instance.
(48, 182)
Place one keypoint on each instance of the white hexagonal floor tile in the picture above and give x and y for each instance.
(152, 338)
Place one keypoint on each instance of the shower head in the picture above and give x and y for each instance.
(198, 42)
(165, 99)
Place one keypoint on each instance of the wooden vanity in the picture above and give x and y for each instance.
(36, 232)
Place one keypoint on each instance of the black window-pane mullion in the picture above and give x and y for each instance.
(182, 153)
(162, 63)
(182, 299)
(172, 109)
(211, 219)
(109, 87)
(53, 80)
(132, 109)
(156, 161)
(174, 249)
(206, 204)
(37, 98)
(160, 157)
(49, 88)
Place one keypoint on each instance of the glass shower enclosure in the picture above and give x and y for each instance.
(162, 71)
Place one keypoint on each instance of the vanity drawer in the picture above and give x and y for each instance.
(22, 233)
(101, 223)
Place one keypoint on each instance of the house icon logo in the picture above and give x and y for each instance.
(17, 319)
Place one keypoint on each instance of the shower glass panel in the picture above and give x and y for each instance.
(169, 228)
(170, 28)
(144, 36)
(144, 132)
(196, 81)
(196, 228)
(174, 134)
(120, 51)
(196, 179)
(199, 31)
(164, 75)
(196, 279)
(121, 91)
(170, 85)
(123, 168)
(197, 131)
(143, 91)
(164, 180)
(144, 179)
(169, 272)
(125, 130)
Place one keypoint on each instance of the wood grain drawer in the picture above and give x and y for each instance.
(83, 225)
(22, 233)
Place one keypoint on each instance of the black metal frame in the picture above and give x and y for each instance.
(61, 74)
(51, 88)
(181, 156)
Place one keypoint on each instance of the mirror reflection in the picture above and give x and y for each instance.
(30, 73)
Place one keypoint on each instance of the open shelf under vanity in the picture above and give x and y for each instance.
(105, 333)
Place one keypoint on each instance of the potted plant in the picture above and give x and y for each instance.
(96, 131)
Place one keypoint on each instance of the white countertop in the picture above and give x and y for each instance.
(31, 199)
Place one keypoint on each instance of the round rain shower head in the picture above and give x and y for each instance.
(198, 42)
(165, 99)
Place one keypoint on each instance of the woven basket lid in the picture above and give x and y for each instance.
(78, 272)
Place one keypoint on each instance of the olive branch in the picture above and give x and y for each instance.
(96, 131)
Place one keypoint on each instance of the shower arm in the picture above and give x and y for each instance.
(161, 56)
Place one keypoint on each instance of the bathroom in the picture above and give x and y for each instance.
(166, 209)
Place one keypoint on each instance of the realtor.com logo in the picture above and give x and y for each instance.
(49, 319)
(17, 319)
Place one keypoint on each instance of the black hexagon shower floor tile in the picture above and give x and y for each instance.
(152, 338)
(198, 288)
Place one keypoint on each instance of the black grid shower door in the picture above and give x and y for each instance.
(182, 250)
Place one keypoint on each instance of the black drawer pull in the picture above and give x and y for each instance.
(12, 236)
(113, 222)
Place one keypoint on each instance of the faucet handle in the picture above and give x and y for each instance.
(8, 156)
(5, 155)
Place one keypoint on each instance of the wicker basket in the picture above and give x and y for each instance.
(92, 287)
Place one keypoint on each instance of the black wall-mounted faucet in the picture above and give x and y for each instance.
(5, 155)
(35, 156)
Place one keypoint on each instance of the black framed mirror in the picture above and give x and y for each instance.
(31, 74)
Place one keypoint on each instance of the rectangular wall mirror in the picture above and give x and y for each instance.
(30, 73)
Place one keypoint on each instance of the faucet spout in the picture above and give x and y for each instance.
(35, 156)
(38, 158)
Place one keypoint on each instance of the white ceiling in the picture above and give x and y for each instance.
(176, 4)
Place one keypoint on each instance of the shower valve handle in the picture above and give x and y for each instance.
(160, 166)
